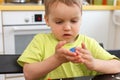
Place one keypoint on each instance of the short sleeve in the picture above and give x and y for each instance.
(97, 51)
(33, 52)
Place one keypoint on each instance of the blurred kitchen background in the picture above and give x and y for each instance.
(20, 20)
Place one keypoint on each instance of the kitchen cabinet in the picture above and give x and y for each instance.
(2, 77)
(1, 39)
(20, 78)
(14, 77)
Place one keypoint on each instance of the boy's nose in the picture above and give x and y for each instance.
(67, 27)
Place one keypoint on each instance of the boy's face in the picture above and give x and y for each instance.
(64, 21)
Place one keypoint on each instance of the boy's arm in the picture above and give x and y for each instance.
(104, 66)
(36, 70)
(107, 66)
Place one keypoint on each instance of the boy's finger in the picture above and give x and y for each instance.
(83, 45)
(60, 44)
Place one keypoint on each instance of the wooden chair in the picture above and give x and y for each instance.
(9, 65)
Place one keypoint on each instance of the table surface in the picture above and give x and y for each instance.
(115, 76)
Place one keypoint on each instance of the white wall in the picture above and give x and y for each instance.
(96, 25)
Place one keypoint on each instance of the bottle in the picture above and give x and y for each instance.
(104, 2)
(97, 2)
(118, 2)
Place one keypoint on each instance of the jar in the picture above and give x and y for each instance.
(97, 2)
(118, 2)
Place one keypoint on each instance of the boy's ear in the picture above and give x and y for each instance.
(46, 20)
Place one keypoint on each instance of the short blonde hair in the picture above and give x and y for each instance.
(49, 3)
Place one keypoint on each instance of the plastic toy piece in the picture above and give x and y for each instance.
(72, 49)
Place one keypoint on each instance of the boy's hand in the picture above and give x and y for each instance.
(85, 56)
(64, 55)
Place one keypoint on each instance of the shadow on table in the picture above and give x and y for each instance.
(97, 77)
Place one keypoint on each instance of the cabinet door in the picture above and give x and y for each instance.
(1, 39)
(16, 78)
(2, 77)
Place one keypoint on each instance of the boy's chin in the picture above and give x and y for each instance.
(69, 41)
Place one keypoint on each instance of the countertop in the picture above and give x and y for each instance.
(10, 6)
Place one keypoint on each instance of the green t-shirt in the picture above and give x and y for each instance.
(43, 46)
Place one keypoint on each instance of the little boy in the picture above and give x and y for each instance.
(64, 52)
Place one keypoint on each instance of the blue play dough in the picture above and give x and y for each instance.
(72, 49)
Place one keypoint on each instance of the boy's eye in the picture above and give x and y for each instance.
(59, 22)
(74, 21)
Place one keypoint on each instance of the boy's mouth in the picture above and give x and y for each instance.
(67, 35)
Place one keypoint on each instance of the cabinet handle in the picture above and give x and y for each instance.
(30, 28)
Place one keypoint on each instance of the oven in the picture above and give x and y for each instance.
(19, 27)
